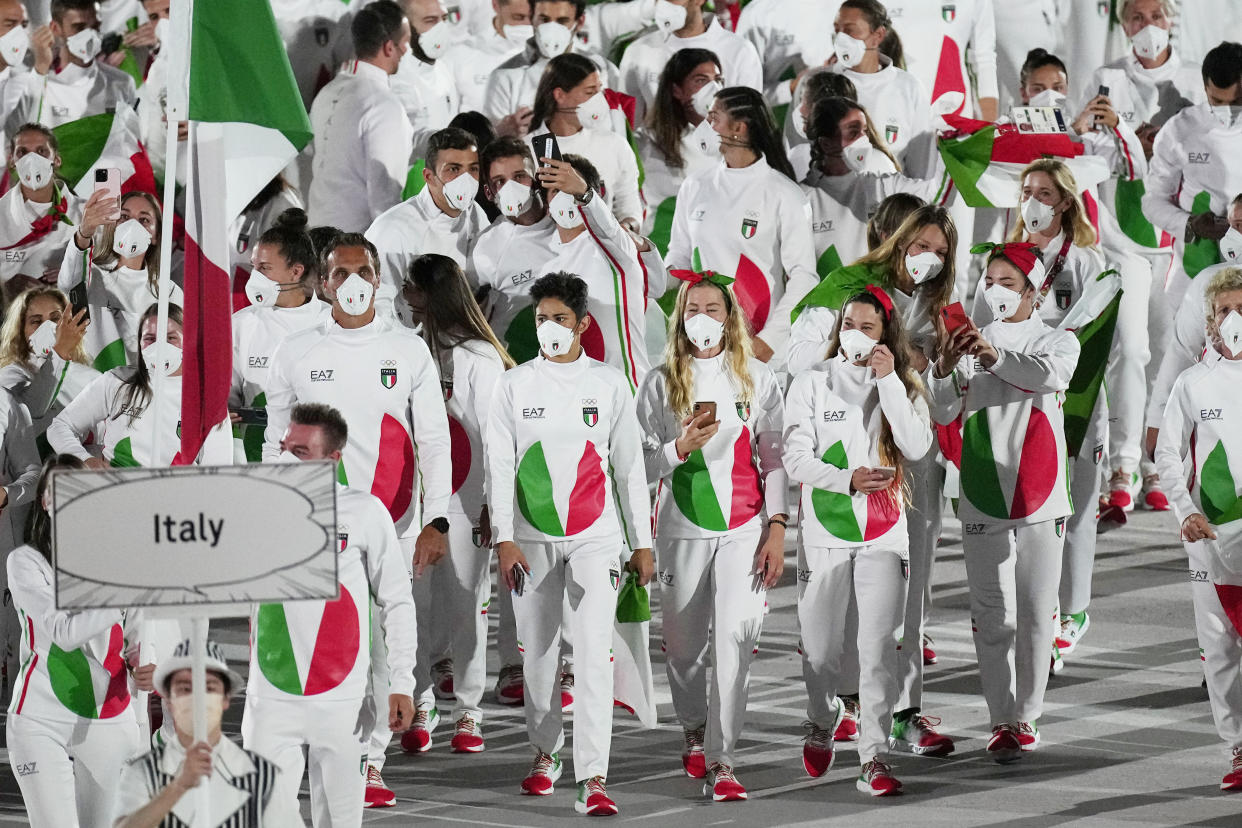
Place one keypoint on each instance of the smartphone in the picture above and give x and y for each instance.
(700, 407)
(546, 147)
(252, 416)
(519, 579)
(108, 180)
(954, 317)
(887, 472)
(1103, 90)
(77, 298)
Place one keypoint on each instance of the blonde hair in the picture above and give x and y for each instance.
(1230, 278)
(678, 359)
(1074, 220)
(107, 258)
(1165, 5)
(891, 255)
(14, 344)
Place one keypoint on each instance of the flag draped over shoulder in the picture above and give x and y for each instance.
(247, 122)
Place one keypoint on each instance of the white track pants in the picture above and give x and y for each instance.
(459, 605)
(1078, 555)
(278, 729)
(501, 609)
(1127, 366)
(1222, 650)
(69, 774)
(924, 519)
(588, 574)
(827, 580)
(711, 601)
(1013, 576)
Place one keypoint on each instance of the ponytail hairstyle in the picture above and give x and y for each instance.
(679, 358)
(1074, 221)
(38, 520)
(666, 120)
(898, 343)
(889, 215)
(1037, 59)
(890, 255)
(288, 235)
(14, 344)
(563, 72)
(744, 104)
(877, 18)
(104, 256)
(825, 122)
(135, 392)
(822, 83)
(452, 316)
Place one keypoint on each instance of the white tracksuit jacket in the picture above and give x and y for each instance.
(468, 375)
(937, 37)
(562, 438)
(1186, 344)
(471, 63)
(780, 31)
(753, 224)
(734, 480)
(834, 414)
(42, 255)
(662, 182)
(1013, 432)
(428, 92)
(508, 258)
(382, 379)
(613, 158)
(513, 83)
(74, 92)
(45, 386)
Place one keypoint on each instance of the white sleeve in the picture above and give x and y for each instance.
(945, 393)
(808, 338)
(1040, 372)
(626, 202)
(431, 437)
(1185, 347)
(659, 441)
(498, 100)
(982, 52)
(769, 428)
(483, 379)
(625, 456)
(801, 460)
(67, 431)
(384, 143)
(680, 246)
(390, 586)
(746, 69)
(42, 384)
(281, 397)
(501, 462)
(616, 20)
(23, 468)
(73, 267)
(604, 226)
(1163, 182)
(657, 271)
(798, 259)
(1171, 447)
(34, 593)
(908, 419)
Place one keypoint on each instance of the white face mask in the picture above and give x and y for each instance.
(1002, 301)
(172, 358)
(1036, 215)
(1049, 97)
(703, 331)
(34, 170)
(354, 295)
(702, 100)
(461, 191)
(565, 211)
(162, 30)
(669, 17)
(593, 112)
(707, 138)
(554, 339)
(799, 123)
(1227, 115)
(850, 50)
(43, 339)
(130, 239)
(1231, 247)
(84, 45)
(552, 39)
(182, 708)
(13, 45)
(856, 345)
(261, 291)
(514, 198)
(923, 267)
(437, 39)
(519, 33)
(1231, 333)
(857, 153)
(1150, 41)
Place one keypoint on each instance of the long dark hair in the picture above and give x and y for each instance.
(136, 388)
(877, 16)
(451, 315)
(825, 122)
(38, 521)
(563, 72)
(667, 118)
(747, 105)
(288, 235)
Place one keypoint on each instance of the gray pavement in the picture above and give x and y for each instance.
(1128, 738)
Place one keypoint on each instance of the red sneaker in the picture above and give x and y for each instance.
(1004, 745)
(593, 799)
(467, 736)
(377, 794)
(818, 749)
(1028, 736)
(1153, 497)
(418, 738)
(511, 685)
(567, 692)
(847, 730)
(693, 760)
(1233, 779)
(543, 775)
(929, 655)
(442, 679)
(877, 780)
(723, 785)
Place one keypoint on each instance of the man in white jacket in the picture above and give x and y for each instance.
(473, 61)
(424, 84)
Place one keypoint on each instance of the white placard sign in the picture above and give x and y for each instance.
(194, 535)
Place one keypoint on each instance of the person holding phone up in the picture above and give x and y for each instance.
(854, 424)
(1008, 382)
(712, 416)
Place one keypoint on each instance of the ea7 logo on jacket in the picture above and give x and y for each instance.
(523, 277)
(321, 375)
(1199, 575)
(258, 362)
(532, 413)
(1199, 157)
(974, 528)
(824, 226)
(1206, 414)
(834, 416)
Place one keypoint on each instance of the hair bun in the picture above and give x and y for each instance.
(1036, 54)
(294, 218)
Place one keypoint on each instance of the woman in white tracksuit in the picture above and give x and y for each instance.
(1200, 432)
(853, 422)
(711, 417)
(1052, 217)
(71, 724)
(1008, 382)
(470, 359)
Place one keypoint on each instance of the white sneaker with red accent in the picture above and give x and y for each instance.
(929, 653)
(918, 735)
(593, 798)
(1004, 746)
(467, 735)
(847, 728)
(1028, 736)
(877, 779)
(567, 692)
(544, 772)
(377, 794)
(1153, 497)
(511, 685)
(723, 785)
(442, 679)
(818, 749)
(1233, 779)
(418, 738)
(692, 759)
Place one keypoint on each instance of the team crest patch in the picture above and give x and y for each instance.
(890, 133)
(1060, 527)
(614, 577)
(448, 389)
(342, 540)
(388, 377)
(905, 569)
(1099, 453)
(590, 416)
(1103, 7)
(743, 410)
(749, 228)
(948, 12)
(1063, 299)
(454, 14)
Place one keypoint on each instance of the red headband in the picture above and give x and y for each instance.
(1024, 255)
(883, 298)
(694, 277)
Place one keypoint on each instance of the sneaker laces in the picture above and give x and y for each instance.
(467, 725)
(817, 736)
(373, 777)
(1151, 482)
(595, 785)
(928, 724)
(851, 707)
(421, 717)
(1237, 760)
(510, 674)
(874, 768)
(544, 763)
(694, 739)
(1120, 479)
(1026, 727)
(722, 773)
(1004, 727)
(444, 665)
(927, 639)
(567, 681)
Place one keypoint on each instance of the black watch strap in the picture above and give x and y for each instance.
(440, 524)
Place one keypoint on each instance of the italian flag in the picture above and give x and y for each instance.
(714, 502)
(853, 519)
(100, 142)
(984, 161)
(247, 122)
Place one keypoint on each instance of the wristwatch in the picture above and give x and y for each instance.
(440, 524)
(586, 197)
